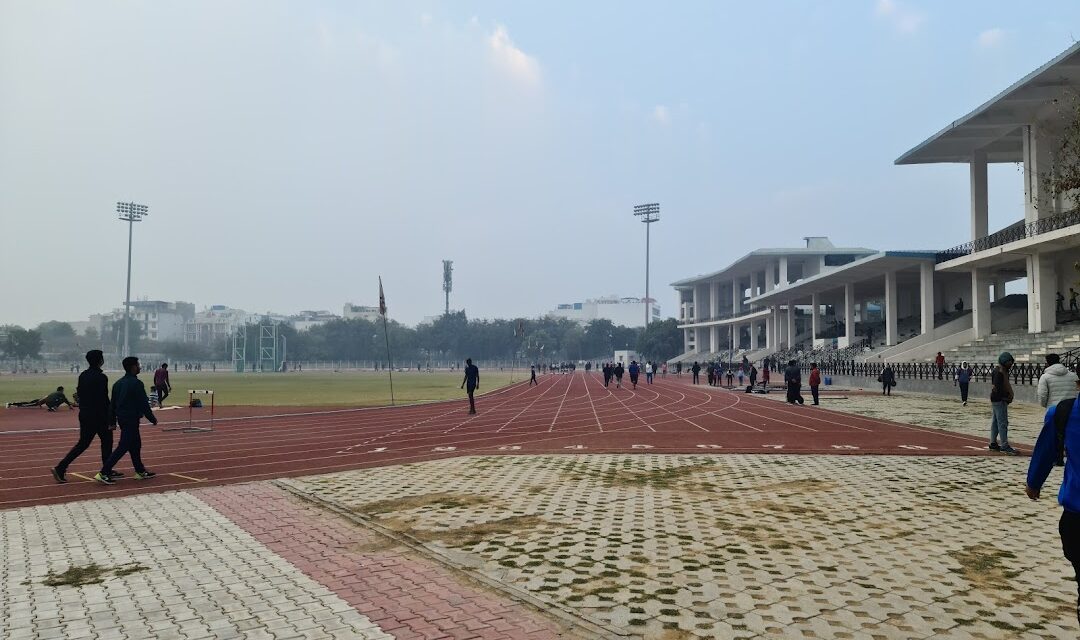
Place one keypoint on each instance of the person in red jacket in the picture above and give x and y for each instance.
(940, 362)
(815, 381)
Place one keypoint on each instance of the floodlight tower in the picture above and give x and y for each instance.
(649, 214)
(131, 213)
(447, 281)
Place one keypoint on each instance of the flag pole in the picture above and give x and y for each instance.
(386, 334)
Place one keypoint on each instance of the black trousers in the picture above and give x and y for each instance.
(87, 430)
(472, 402)
(964, 390)
(163, 392)
(696, 374)
(1069, 528)
(814, 392)
(794, 394)
(130, 442)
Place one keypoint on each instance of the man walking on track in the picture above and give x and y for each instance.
(532, 378)
(94, 418)
(634, 370)
(472, 381)
(161, 382)
(696, 369)
(129, 405)
(1061, 435)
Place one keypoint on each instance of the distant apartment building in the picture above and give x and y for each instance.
(158, 321)
(214, 325)
(354, 311)
(628, 312)
(307, 319)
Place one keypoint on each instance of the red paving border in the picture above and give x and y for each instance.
(564, 414)
(407, 597)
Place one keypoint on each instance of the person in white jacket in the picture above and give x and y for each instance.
(1056, 383)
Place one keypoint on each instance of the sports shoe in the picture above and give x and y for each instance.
(145, 475)
(103, 479)
(1009, 451)
(965, 403)
(116, 474)
(58, 475)
(994, 447)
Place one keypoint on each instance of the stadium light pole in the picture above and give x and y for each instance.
(131, 213)
(648, 213)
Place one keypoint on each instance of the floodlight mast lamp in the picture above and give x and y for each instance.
(131, 213)
(649, 213)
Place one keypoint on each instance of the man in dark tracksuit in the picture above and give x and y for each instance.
(793, 379)
(472, 379)
(94, 417)
(129, 404)
(1042, 461)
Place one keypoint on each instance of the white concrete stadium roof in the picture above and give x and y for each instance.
(994, 127)
(760, 258)
(869, 267)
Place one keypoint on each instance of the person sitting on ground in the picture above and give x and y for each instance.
(52, 401)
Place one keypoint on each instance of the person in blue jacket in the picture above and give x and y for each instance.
(1042, 461)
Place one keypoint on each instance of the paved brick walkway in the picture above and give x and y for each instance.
(405, 596)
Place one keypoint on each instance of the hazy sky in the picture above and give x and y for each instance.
(291, 152)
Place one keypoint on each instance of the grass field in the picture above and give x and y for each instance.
(306, 389)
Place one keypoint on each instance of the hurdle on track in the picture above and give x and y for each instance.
(190, 426)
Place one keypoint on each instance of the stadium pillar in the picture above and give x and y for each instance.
(849, 313)
(999, 289)
(790, 324)
(769, 341)
(753, 335)
(736, 297)
(979, 200)
(890, 308)
(926, 296)
(770, 276)
(783, 282)
(714, 338)
(980, 304)
(1042, 290)
(753, 284)
(815, 317)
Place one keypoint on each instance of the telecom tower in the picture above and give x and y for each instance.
(447, 281)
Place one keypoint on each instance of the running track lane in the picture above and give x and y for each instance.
(564, 414)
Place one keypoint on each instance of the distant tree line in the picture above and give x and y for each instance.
(450, 337)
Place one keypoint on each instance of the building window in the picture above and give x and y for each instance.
(837, 260)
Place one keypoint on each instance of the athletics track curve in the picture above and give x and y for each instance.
(565, 414)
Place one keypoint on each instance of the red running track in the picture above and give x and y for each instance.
(564, 414)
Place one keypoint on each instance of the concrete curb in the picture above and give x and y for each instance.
(463, 565)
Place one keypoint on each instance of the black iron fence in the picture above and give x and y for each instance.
(1012, 234)
(1022, 373)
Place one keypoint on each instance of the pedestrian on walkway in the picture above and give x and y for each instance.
(471, 382)
(696, 370)
(887, 380)
(753, 376)
(1060, 435)
(939, 360)
(129, 406)
(963, 380)
(1001, 396)
(93, 393)
(815, 382)
(1056, 383)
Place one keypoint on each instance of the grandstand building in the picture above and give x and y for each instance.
(628, 312)
(903, 306)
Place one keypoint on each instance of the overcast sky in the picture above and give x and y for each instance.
(291, 152)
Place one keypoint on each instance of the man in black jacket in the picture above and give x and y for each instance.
(93, 394)
(472, 379)
(793, 379)
(130, 404)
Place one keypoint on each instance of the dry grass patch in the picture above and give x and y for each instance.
(443, 500)
(90, 574)
(808, 485)
(985, 571)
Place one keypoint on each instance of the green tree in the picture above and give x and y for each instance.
(22, 344)
(661, 341)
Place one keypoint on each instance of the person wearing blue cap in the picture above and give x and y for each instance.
(1001, 396)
